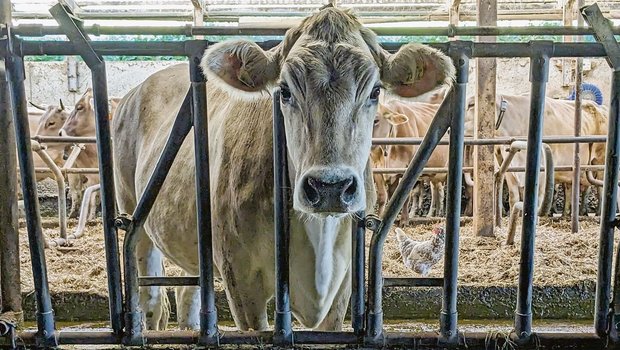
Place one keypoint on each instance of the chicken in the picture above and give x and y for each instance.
(420, 256)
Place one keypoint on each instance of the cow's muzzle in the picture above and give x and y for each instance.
(330, 190)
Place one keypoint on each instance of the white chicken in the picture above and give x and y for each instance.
(420, 256)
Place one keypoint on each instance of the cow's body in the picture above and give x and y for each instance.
(328, 73)
(558, 121)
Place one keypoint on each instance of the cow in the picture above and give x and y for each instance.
(558, 120)
(82, 122)
(412, 119)
(329, 70)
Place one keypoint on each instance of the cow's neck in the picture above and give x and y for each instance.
(323, 235)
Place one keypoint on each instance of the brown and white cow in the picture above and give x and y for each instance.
(82, 122)
(329, 69)
(412, 119)
(558, 121)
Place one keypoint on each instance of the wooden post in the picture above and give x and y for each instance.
(10, 286)
(484, 121)
(453, 14)
(198, 14)
(567, 63)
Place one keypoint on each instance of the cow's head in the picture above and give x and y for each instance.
(52, 120)
(81, 121)
(386, 120)
(330, 71)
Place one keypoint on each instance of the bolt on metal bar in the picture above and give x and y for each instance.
(539, 71)
(180, 129)
(208, 312)
(45, 314)
(358, 281)
(283, 332)
(449, 315)
(437, 129)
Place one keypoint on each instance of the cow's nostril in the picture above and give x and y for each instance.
(311, 190)
(350, 189)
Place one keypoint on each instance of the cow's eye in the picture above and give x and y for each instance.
(51, 123)
(376, 122)
(374, 95)
(285, 94)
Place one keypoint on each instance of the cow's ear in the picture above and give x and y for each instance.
(396, 118)
(241, 64)
(416, 69)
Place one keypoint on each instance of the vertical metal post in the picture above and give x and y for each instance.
(576, 148)
(180, 129)
(283, 330)
(449, 314)
(45, 314)
(603, 34)
(358, 238)
(108, 199)
(208, 312)
(539, 71)
(438, 128)
(10, 285)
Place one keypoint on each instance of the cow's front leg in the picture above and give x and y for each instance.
(568, 199)
(153, 300)
(335, 317)
(188, 306)
(246, 293)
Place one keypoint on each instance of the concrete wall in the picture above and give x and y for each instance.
(47, 81)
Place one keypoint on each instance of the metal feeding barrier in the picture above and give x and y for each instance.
(366, 300)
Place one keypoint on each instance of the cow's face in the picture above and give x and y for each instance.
(52, 120)
(81, 121)
(329, 70)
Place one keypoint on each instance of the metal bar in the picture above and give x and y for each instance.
(108, 200)
(64, 139)
(10, 279)
(180, 129)
(169, 281)
(35, 30)
(177, 48)
(539, 71)
(60, 183)
(412, 282)
(449, 315)
(45, 314)
(610, 190)
(516, 169)
(603, 32)
(75, 34)
(283, 332)
(494, 141)
(438, 127)
(358, 281)
(208, 312)
(426, 340)
(577, 161)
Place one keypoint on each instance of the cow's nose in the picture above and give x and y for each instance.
(330, 195)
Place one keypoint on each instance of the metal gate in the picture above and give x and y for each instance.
(366, 306)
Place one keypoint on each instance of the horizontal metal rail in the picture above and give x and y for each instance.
(180, 48)
(469, 169)
(67, 170)
(476, 340)
(35, 30)
(169, 281)
(64, 139)
(412, 282)
(494, 141)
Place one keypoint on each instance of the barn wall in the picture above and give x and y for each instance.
(47, 81)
